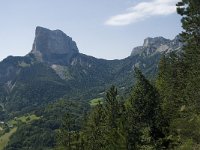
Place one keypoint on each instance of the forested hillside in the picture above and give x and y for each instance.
(52, 71)
(56, 98)
(164, 115)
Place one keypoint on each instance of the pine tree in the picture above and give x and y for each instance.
(145, 99)
(179, 81)
(146, 108)
(190, 12)
(114, 123)
(112, 106)
(94, 132)
(170, 83)
(65, 134)
(104, 127)
(171, 86)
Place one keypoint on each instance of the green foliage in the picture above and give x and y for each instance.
(171, 84)
(23, 119)
(190, 12)
(145, 99)
(41, 133)
(94, 132)
(178, 82)
(164, 116)
(96, 101)
(145, 104)
(118, 125)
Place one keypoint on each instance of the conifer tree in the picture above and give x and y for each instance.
(112, 106)
(94, 132)
(114, 124)
(170, 84)
(145, 99)
(179, 78)
(146, 108)
(190, 12)
(65, 134)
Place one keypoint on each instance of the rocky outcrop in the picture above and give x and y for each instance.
(157, 44)
(157, 41)
(50, 44)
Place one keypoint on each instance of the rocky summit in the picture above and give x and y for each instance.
(52, 44)
(157, 45)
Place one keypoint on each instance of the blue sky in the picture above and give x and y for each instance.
(102, 28)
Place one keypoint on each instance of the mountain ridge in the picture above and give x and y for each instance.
(157, 44)
(146, 43)
(61, 70)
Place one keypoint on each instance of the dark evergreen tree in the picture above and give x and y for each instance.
(65, 135)
(94, 132)
(190, 12)
(178, 81)
(145, 105)
(112, 107)
(170, 84)
(184, 132)
(114, 123)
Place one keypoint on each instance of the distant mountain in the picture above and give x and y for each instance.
(157, 45)
(55, 68)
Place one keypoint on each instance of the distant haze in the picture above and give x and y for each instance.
(105, 29)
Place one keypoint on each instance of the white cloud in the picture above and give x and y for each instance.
(142, 11)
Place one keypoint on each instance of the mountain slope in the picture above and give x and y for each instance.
(54, 68)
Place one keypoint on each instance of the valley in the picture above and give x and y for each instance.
(57, 98)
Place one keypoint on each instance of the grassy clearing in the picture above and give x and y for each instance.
(24, 119)
(4, 139)
(96, 101)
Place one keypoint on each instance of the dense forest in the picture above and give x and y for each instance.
(160, 114)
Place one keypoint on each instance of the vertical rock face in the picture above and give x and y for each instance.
(157, 41)
(157, 44)
(51, 43)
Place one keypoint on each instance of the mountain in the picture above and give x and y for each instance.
(157, 45)
(50, 46)
(55, 68)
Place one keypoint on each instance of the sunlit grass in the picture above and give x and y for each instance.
(24, 119)
(4, 139)
(96, 101)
